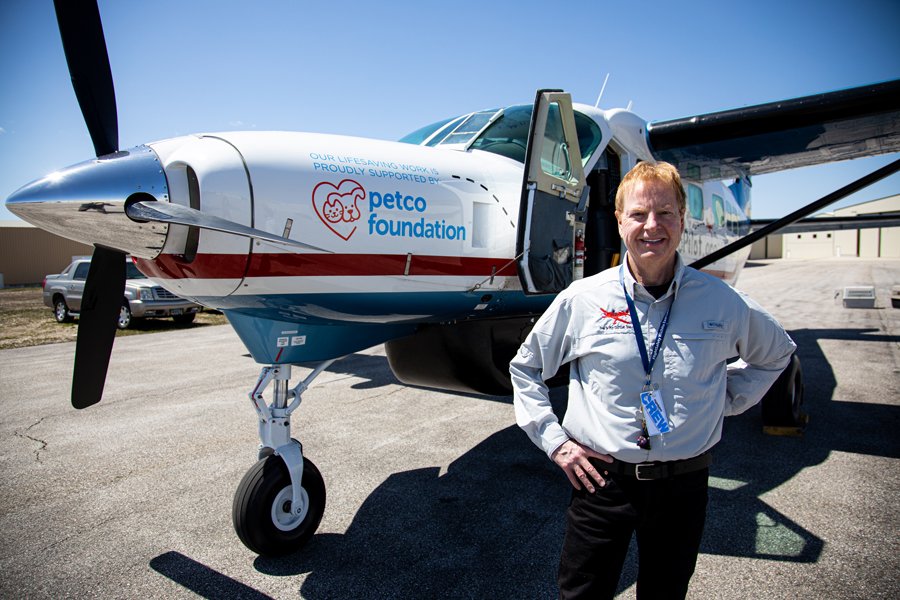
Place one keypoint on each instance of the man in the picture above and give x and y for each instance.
(647, 344)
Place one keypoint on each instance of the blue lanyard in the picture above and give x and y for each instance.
(647, 361)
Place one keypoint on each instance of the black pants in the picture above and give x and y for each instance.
(668, 517)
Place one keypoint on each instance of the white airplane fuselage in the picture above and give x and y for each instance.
(398, 234)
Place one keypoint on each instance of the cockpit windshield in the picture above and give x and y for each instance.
(503, 132)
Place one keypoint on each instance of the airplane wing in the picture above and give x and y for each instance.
(753, 140)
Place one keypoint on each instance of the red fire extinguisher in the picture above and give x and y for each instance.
(579, 254)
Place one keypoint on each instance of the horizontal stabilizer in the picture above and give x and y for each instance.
(834, 126)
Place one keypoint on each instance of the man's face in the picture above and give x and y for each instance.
(650, 224)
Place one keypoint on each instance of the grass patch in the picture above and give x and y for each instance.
(25, 321)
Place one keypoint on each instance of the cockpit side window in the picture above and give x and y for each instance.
(419, 136)
(507, 135)
(589, 136)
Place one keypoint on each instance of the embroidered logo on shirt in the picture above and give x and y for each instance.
(714, 325)
(613, 320)
(618, 317)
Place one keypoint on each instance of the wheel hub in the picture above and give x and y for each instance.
(284, 515)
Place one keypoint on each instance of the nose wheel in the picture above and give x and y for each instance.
(280, 501)
(265, 516)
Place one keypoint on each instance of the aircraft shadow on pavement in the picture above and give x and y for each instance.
(201, 580)
(492, 525)
(488, 528)
(749, 464)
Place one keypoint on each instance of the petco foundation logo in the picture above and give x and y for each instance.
(337, 206)
(391, 214)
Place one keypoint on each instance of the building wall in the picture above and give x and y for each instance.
(864, 243)
(768, 247)
(28, 253)
(890, 243)
(846, 243)
(808, 245)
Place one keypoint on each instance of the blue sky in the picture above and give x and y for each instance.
(382, 69)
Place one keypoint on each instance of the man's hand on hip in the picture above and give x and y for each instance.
(572, 458)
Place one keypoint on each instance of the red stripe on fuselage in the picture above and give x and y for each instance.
(232, 266)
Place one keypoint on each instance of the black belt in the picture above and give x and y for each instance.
(655, 470)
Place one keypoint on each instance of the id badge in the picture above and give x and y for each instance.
(654, 411)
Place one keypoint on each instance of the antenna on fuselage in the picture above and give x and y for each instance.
(630, 104)
(603, 87)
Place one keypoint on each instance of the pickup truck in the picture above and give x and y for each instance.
(142, 298)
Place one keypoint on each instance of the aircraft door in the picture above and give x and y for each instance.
(551, 216)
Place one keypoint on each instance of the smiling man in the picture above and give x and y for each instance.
(647, 344)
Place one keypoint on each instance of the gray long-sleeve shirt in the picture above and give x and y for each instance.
(588, 326)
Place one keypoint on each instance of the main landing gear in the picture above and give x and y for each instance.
(782, 406)
(280, 501)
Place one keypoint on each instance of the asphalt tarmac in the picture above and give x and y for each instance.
(432, 494)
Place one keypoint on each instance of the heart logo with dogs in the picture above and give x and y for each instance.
(337, 206)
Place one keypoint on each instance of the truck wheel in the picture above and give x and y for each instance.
(124, 319)
(61, 310)
(186, 319)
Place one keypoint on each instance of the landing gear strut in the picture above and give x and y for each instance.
(280, 501)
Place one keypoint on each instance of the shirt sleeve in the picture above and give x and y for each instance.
(538, 359)
(765, 350)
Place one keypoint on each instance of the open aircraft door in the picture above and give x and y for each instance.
(550, 238)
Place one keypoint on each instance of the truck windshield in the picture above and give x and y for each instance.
(131, 271)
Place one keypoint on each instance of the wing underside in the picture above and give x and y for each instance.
(754, 140)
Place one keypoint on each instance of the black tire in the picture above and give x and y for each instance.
(124, 320)
(783, 403)
(262, 501)
(185, 319)
(61, 310)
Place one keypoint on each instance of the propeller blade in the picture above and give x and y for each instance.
(104, 291)
(85, 48)
(166, 212)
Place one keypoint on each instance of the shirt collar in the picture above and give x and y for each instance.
(631, 282)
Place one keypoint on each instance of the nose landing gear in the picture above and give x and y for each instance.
(280, 501)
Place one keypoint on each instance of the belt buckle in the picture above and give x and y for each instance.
(637, 471)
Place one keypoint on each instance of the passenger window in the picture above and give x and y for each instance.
(719, 210)
(695, 202)
(81, 271)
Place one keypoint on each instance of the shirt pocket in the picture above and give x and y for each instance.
(697, 356)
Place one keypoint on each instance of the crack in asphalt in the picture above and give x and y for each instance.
(43, 443)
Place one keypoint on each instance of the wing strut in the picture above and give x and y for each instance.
(798, 214)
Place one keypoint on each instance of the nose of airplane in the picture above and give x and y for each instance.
(86, 202)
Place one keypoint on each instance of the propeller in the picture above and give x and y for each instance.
(100, 308)
(85, 47)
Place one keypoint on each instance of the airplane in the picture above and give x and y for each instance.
(444, 246)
